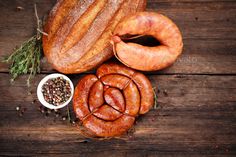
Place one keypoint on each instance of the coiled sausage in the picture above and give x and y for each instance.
(108, 103)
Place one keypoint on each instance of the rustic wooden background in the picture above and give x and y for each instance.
(196, 115)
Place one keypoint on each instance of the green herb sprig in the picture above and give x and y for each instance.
(26, 58)
(155, 98)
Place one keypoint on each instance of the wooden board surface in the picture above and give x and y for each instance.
(196, 115)
(208, 30)
(192, 119)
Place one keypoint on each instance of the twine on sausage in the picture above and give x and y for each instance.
(147, 23)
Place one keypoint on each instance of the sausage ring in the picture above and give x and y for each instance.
(108, 102)
(147, 58)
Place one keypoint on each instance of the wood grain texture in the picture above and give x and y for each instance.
(196, 117)
(208, 29)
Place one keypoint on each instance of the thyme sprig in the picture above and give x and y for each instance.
(26, 58)
(68, 114)
(155, 98)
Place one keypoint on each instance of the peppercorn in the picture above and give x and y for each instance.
(17, 108)
(63, 118)
(56, 91)
(165, 93)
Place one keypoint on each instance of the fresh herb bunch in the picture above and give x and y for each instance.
(26, 58)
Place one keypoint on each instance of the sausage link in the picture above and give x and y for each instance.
(109, 128)
(108, 105)
(117, 81)
(107, 113)
(132, 99)
(114, 98)
(146, 92)
(96, 96)
(143, 57)
(114, 68)
(80, 99)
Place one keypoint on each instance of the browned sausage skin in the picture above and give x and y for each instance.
(144, 85)
(153, 58)
(108, 103)
(80, 99)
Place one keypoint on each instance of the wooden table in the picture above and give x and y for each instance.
(196, 115)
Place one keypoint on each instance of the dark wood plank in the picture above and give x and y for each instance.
(208, 29)
(196, 117)
(196, 114)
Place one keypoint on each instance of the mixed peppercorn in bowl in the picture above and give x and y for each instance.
(55, 91)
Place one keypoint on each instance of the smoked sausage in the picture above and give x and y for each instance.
(147, 58)
(108, 103)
